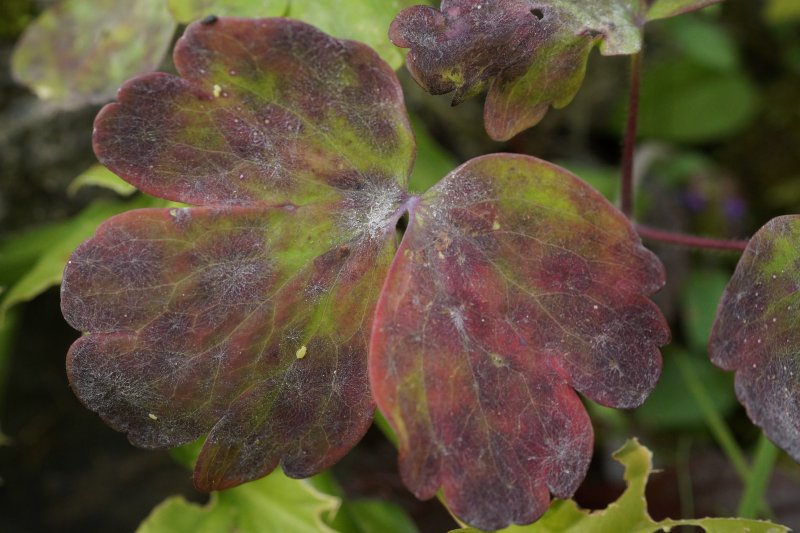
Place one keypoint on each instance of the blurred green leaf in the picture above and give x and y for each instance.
(80, 52)
(360, 20)
(376, 516)
(704, 41)
(700, 296)
(186, 11)
(670, 407)
(781, 11)
(100, 176)
(43, 252)
(433, 162)
(686, 102)
(629, 513)
(271, 504)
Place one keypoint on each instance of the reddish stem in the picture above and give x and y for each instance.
(626, 189)
(692, 241)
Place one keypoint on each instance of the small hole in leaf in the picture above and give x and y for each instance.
(402, 223)
(538, 13)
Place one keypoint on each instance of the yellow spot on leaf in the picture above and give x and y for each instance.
(217, 90)
(152, 416)
(496, 225)
(301, 352)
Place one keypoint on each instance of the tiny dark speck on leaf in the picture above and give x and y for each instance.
(210, 19)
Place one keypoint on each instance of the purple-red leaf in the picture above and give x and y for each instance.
(530, 54)
(247, 319)
(515, 285)
(755, 332)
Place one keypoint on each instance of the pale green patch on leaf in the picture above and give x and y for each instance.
(782, 11)
(79, 52)
(629, 512)
(273, 503)
(100, 176)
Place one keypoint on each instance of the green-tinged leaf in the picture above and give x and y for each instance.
(684, 102)
(246, 318)
(520, 285)
(270, 505)
(432, 162)
(188, 10)
(359, 20)
(79, 52)
(756, 334)
(669, 407)
(530, 55)
(629, 512)
(699, 299)
(53, 247)
(100, 176)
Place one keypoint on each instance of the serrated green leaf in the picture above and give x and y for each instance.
(100, 176)
(629, 512)
(80, 52)
(272, 504)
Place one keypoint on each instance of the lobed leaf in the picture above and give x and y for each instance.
(515, 285)
(529, 54)
(629, 512)
(79, 52)
(247, 318)
(755, 332)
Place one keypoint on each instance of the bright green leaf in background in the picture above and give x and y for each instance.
(33, 261)
(338, 514)
(629, 512)
(186, 11)
(80, 52)
(100, 176)
(360, 20)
